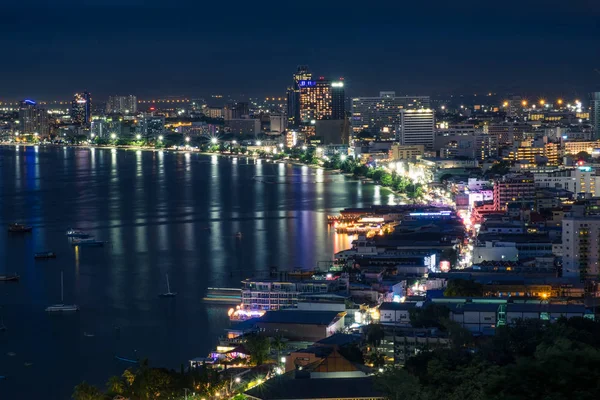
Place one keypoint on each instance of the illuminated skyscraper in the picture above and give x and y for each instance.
(293, 95)
(321, 100)
(32, 119)
(81, 109)
(595, 114)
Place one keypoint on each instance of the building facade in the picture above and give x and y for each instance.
(513, 188)
(121, 105)
(581, 246)
(595, 114)
(81, 109)
(417, 127)
(576, 180)
(379, 114)
(33, 120)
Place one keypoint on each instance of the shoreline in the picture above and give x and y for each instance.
(176, 151)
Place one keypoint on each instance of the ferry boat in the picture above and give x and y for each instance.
(76, 234)
(9, 278)
(19, 228)
(44, 255)
(90, 242)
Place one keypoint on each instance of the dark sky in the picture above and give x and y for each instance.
(53, 48)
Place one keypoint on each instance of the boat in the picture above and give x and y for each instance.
(77, 234)
(62, 307)
(44, 254)
(238, 235)
(19, 228)
(168, 293)
(299, 274)
(9, 278)
(90, 242)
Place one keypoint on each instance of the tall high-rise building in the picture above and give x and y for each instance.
(152, 126)
(236, 110)
(581, 246)
(33, 119)
(321, 100)
(121, 105)
(81, 109)
(293, 95)
(417, 127)
(382, 113)
(595, 114)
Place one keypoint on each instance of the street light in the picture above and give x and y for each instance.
(258, 143)
(92, 135)
(113, 136)
(160, 138)
(233, 142)
(304, 148)
(214, 140)
(283, 359)
(138, 136)
(237, 379)
(343, 157)
(187, 139)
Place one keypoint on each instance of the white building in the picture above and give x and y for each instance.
(577, 180)
(278, 123)
(382, 114)
(121, 104)
(417, 127)
(581, 245)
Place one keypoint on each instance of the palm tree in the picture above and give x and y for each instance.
(85, 391)
(278, 344)
(115, 385)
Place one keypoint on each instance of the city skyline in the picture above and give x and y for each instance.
(182, 49)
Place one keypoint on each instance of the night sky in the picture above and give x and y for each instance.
(185, 48)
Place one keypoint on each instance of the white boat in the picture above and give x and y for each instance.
(90, 242)
(168, 293)
(62, 307)
(76, 234)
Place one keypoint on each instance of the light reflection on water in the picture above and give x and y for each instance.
(161, 212)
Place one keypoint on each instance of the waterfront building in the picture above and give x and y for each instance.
(81, 109)
(121, 105)
(401, 152)
(151, 126)
(581, 246)
(333, 131)
(293, 95)
(302, 325)
(33, 119)
(243, 126)
(274, 295)
(321, 99)
(513, 188)
(595, 114)
(417, 127)
(277, 123)
(382, 113)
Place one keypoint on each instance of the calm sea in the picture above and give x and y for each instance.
(162, 213)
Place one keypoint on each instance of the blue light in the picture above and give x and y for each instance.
(30, 102)
(307, 83)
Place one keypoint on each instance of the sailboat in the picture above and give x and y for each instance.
(168, 293)
(62, 307)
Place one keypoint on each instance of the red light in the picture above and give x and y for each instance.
(580, 162)
(152, 108)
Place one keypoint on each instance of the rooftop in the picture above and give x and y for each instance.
(299, 317)
(284, 388)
